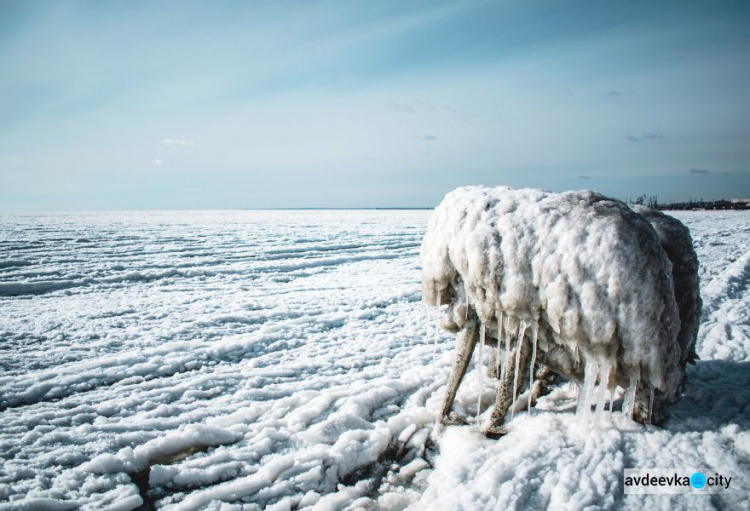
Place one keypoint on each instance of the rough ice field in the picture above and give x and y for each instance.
(282, 360)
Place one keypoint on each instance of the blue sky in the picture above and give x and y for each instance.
(178, 104)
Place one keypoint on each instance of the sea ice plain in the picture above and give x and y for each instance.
(281, 360)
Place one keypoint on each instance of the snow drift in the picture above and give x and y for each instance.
(575, 281)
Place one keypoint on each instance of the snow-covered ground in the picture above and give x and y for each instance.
(283, 360)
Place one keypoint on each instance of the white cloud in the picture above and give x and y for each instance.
(157, 161)
(426, 136)
(644, 137)
(174, 141)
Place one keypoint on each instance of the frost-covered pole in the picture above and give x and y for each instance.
(505, 393)
(465, 344)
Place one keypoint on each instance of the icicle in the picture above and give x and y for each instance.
(628, 400)
(611, 400)
(631, 403)
(437, 329)
(650, 405)
(506, 354)
(534, 327)
(499, 338)
(466, 296)
(519, 343)
(480, 368)
(586, 394)
(602, 391)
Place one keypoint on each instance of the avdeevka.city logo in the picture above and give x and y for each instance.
(698, 480)
(674, 481)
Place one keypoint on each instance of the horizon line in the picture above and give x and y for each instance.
(375, 208)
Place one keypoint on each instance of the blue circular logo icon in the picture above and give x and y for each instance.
(698, 480)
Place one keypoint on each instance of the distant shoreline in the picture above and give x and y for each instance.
(342, 209)
(73, 211)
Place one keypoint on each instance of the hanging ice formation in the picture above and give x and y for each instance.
(437, 330)
(480, 369)
(532, 365)
(574, 283)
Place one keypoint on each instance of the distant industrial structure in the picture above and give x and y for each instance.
(736, 204)
(693, 204)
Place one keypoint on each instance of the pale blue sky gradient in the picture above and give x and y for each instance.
(178, 104)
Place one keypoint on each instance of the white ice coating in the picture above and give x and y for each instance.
(676, 241)
(587, 273)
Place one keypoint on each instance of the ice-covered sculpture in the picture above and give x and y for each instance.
(576, 283)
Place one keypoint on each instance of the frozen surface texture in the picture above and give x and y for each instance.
(191, 358)
(230, 360)
(678, 244)
(548, 460)
(587, 275)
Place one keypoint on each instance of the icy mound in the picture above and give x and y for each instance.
(585, 272)
(678, 244)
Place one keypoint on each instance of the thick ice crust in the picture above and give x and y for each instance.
(676, 241)
(586, 271)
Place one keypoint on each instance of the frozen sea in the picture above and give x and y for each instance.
(284, 360)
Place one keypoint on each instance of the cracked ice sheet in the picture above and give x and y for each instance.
(252, 359)
(548, 460)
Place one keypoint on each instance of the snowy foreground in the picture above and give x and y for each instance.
(284, 360)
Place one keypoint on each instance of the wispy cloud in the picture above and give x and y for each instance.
(699, 171)
(400, 107)
(652, 136)
(426, 136)
(157, 161)
(174, 141)
(646, 137)
(615, 93)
